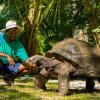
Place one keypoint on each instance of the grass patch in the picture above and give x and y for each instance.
(23, 90)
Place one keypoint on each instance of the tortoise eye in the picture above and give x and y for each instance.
(29, 60)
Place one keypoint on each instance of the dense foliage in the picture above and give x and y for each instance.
(49, 21)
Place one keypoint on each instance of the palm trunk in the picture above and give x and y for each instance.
(30, 27)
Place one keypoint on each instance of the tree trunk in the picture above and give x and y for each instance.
(91, 19)
(30, 26)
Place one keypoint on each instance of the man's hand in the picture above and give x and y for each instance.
(11, 61)
(32, 66)
(29, 64)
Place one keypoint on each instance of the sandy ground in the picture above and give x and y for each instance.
(74, 84)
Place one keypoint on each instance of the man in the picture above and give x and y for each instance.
(12, 53)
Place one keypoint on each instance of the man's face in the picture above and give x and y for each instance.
(11, 34)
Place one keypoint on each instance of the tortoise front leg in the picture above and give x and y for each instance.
(41, 79)
(63, 79)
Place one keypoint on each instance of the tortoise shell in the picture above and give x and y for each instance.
(77, 52)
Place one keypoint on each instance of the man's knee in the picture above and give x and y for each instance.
(21, 68)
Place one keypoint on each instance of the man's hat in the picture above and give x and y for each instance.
(12, 24)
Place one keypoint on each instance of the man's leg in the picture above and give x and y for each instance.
(21, 71)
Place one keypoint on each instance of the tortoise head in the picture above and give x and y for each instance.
(36, 59)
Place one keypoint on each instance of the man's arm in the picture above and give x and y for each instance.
(4, 55)
(10, 59)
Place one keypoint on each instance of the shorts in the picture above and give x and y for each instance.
(10, 69)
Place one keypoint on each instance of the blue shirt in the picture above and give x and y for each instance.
(14, 49)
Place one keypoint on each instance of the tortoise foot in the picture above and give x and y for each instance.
(62, 94)
(40, 88)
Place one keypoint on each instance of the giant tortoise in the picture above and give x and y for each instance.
(69, 58)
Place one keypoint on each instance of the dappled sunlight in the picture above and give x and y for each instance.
(25, 91)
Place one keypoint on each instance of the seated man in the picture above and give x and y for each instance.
(12, 53)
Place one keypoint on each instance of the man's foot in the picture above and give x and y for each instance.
(9, 82)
